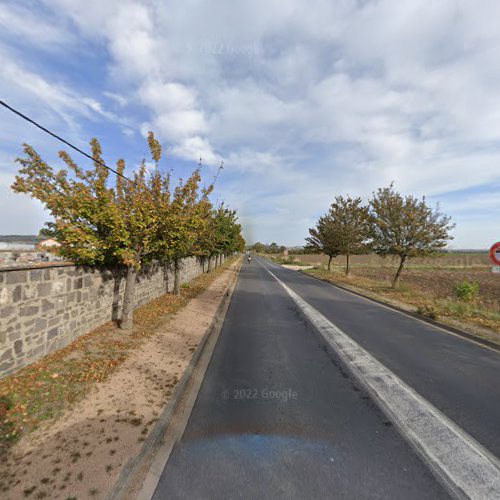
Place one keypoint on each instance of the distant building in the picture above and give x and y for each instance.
(49, 243)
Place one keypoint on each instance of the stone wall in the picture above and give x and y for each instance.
(43, 309)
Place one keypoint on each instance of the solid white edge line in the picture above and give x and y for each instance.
(467, 469)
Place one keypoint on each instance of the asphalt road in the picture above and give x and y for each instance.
(277, 416)
(458, 376)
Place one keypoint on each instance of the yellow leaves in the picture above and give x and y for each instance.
(154, 147)
(130, 223)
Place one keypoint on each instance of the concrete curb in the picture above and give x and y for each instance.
(160, 441)
(442, 326)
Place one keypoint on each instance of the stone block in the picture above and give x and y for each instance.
(52, 333)
(36, 275)
(6, 311)
(44, 289)
(54, 322)
(4, 296)
(40, 325)
(15, 277)
(13, 336)
(78, 283)
(6, 356)
(29, 292)
(18, 347)
(47, 305)
(37, 351)
(28, 311)
(58, 287)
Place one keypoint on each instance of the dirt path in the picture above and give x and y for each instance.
(81, 454)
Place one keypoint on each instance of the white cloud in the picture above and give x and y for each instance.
(27, 26)
(304, 100)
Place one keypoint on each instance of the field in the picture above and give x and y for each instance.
(449, 260)
(426, 283)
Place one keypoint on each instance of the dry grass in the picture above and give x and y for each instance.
(45, 389)
(448, 260)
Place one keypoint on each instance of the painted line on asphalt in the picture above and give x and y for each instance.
(466, 468)
(372, 300)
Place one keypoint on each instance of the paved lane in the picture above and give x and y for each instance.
(317, 436)
(457, 376)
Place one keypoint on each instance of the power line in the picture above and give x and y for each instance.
(41, 127)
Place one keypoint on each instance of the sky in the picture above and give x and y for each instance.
(303, 101)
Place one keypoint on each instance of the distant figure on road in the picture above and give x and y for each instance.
(249, 258)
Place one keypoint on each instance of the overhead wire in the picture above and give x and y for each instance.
(59, 138)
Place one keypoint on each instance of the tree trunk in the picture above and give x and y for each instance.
(209, 263)
(165, 274)
(347, 266)
(400, 268)
(177, 277)
(128, 299)
(330, 262)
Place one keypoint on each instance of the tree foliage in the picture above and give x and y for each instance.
(348, 227)
(323, 239)
(390, 225)
(406, 226)
(272, 248)
(130, 222)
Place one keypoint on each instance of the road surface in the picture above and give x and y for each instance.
(278, 416)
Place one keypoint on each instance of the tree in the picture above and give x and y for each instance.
(349, 226)
(131, 223)
(182, 221)
(46, 232)
(406, 227)
(96, 224)
(323, 239)
(259, 247)
(220, 235)
(239, 245)
(227, 230)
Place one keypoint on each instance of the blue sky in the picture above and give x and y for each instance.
(301, 100)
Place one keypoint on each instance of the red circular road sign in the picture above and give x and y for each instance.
(495, 253)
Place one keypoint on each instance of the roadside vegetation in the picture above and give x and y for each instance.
(390, 225)
(132, 221)
(393, 248)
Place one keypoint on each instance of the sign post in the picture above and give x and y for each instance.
(495, 257)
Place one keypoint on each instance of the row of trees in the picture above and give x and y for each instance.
(132, 222)
(391, 224)
(265, 248)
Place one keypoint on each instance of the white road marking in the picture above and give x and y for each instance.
(467, 468)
